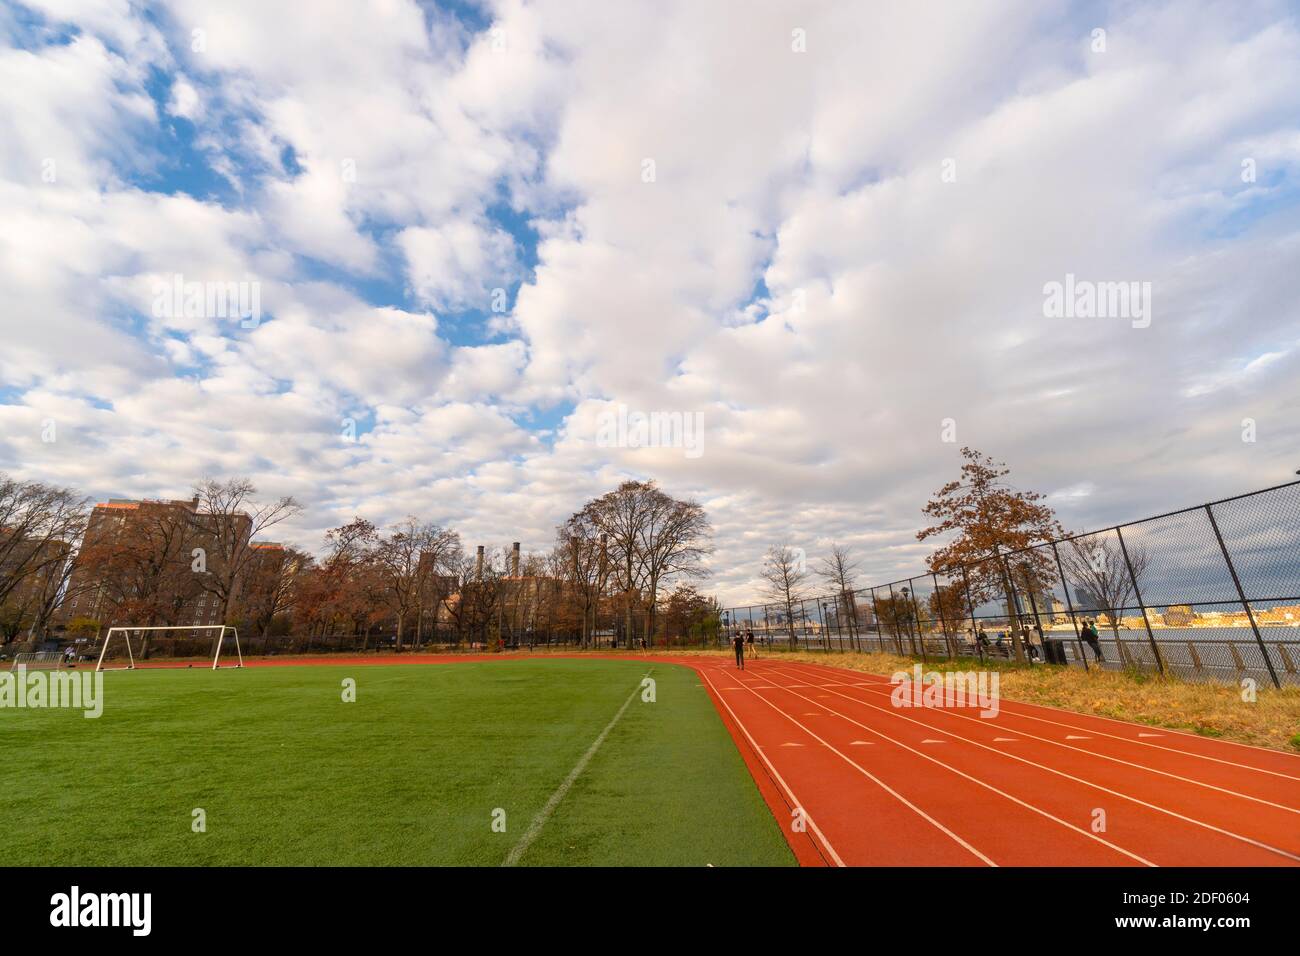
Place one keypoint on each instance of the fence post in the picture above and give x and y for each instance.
(975, 628)
(893, 615)
(1241, 593)
(916, 618)
(880, 632)
(1069, 605)
(851, 608)
(1013, 609)
(938, 606)
(1137, 591)
(1038, 621)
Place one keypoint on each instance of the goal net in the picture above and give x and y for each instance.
(125, 647)
(36, 660)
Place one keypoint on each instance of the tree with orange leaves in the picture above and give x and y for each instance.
(995, 527)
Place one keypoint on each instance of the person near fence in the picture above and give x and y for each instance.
(1027, 641)
(739, 644)
(1093, 639)
(982, 638)
(749, 643)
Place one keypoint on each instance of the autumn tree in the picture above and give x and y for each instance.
(987, 518)
(274, 587)
(140, 566)
(689, 616)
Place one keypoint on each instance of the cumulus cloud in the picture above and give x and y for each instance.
(826, 249)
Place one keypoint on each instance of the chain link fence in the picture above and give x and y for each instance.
(1205, 593)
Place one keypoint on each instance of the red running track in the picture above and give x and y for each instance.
(880, 785)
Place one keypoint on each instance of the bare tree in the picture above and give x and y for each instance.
(228, 518)
(621, 515)
(652, 538)
(673, 544)
(439, 558)
(838, 569)
(38, 522)
(1095, 563)
(404, 560)
(784, 579)
(581, 559)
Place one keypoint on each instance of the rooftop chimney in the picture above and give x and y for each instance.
(478, 564)
(514, 560)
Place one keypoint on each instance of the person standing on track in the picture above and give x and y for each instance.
(738, 642)
(749, 643)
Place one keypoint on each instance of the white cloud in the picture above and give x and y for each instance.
(798, 272)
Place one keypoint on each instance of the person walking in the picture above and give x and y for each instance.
(749, 643)
(1033, 642)
(739, 644)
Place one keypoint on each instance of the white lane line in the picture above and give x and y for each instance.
(544, 814)
(876, 780)
(989, 786)
(1125, 723)
(1087, 783)
(794, 801)
(1128, 763)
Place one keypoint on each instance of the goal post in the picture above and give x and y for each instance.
(37, 660)
(120, 636)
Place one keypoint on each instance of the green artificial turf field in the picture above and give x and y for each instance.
(409, 774)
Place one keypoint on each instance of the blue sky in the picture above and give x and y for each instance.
(446, 212)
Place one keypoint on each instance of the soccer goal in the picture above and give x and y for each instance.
(177, 641)
(36, 660)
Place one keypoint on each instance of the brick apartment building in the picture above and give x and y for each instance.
(142, 561)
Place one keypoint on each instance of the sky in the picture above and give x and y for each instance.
(824, 232)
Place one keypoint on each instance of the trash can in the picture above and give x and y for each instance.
(1054, 651)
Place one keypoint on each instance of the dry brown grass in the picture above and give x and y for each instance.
(1213, 710)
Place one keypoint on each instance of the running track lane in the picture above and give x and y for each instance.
(879, 785)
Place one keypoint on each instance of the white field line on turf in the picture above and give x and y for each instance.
(976, 780)
(776, 775)
(874, 779)
(544, 814)
(1180, 734)
(1095, 753)
(1087, 783)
